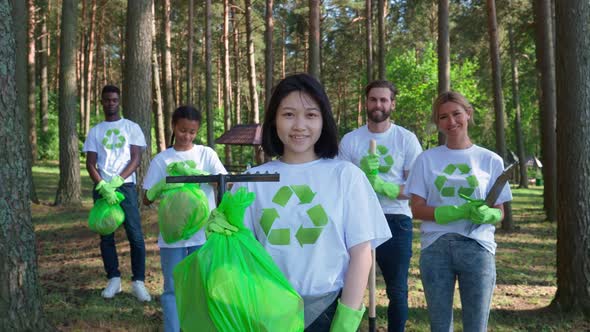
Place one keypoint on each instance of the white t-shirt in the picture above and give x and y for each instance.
(112, 140)
(207, 160)
(397, 148)
(316, 212)
(440, 174)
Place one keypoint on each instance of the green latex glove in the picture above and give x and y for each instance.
(370, 165)
(388, 189)
(346, 319)
(156, 190)
(485, 215)
(107, 192)
(448, 213)
(218, 223)
(116, 182)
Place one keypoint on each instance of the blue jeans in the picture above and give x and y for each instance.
(456, 257)
(132, 226)
(324, 320)
(169, 258)
(393, 258)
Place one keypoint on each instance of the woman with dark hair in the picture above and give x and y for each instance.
(321, 220)
(447, 185)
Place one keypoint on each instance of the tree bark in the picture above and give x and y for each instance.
(444, 54)
(31, 79)
(208, 83)
(573, 155)
(268, 52)
(546, 65)
(381, 33)
(44, 79)
(226, 80)
(20, 297)
(167, 69)
(314, 38)
(237, 75)
(80, 78)
(137, 101)
(89, 66)
(255, 114)
(189, 56)
(523, 180)
(69, 187)
(157, 100)
(369, 39)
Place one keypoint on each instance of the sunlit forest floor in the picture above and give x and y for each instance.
(72, 276)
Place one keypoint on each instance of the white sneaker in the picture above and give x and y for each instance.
(113, 287)
(139, 291)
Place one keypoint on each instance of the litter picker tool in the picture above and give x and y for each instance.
(498, 185)
(372, 277)
(223, 179)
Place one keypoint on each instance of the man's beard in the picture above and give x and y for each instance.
(378, 117)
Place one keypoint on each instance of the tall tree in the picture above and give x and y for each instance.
(208, 83)
(546, 65)
(523, 181)
(137, 95)
(314, 38)
(381, 38)
(22, 308)
(32, 87)
(189, 56)
(167, 71)
(69, 188)
(573, 152)
(89, 66)
(80, 70)
(237, 90)
(507, 222)
(44, 69)
(444, 53)
(268, 51)
(255, 113)
(157, 100)
(226, 80)
(369, 39)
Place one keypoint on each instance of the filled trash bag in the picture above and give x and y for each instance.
(232, 284)
(183, 210)
(104, 219)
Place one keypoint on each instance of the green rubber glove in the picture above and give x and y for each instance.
(388, 189)
(370, 165)
(218, 223)
(107, 192)
(156, 190)
(448, 213)
(346, 319)
(485, 215)
(116, 182)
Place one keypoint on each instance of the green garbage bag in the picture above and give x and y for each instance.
(104, 218)
(183, 210)
(232, 283)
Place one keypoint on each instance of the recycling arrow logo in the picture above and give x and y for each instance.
(463, 170)
(385, 159)
(304, 235)
(113, 139)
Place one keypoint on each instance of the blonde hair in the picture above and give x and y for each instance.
(453, 97)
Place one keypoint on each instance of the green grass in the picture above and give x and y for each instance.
(72, 276)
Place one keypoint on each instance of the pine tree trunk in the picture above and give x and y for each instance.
(381, 33)
(189, 56)
(255, 114)
(20, 297)
(314, 38)
(88, 71)
(369, 39)
(268, 52)
(573, 155)
(69, 187)
(44, 104)
(444, 57)
(226, 80)
(31, 79)
(208, 83)
(237, 76)
(546, 65)
(81, 78)
(167, 69)
(157, 104)
(137, 103)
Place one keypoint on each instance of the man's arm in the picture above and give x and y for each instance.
(91, 157)
(133, 163)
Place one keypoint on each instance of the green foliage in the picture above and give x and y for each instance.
(48, 143)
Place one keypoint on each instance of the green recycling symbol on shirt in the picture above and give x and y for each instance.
(386, 160)
(113, 139)
(462, 169)
(304, 235)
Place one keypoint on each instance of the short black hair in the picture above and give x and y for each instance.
(327, 144)
(109, 89)
(381, 84)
